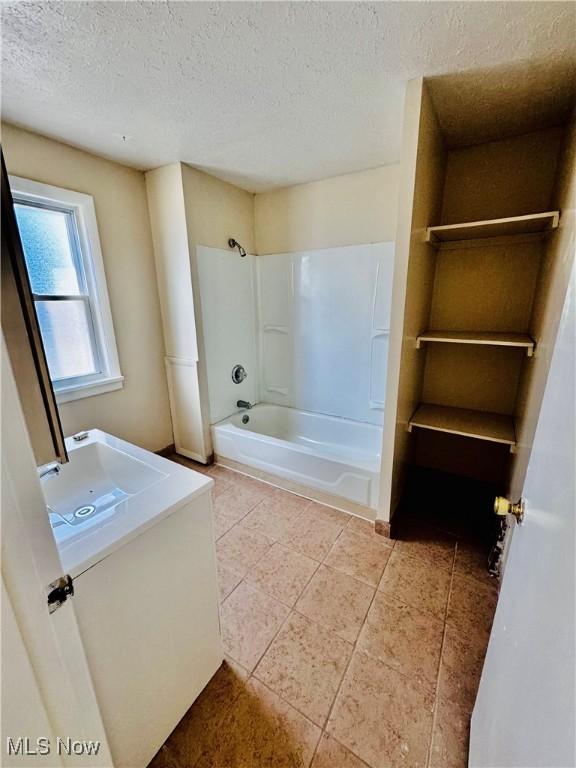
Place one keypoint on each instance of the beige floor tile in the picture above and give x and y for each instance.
(336, 601)
(329, 514)
(304, 665)
(249, 621)
(382, 716)
(416, 582)
(231, 506)
(222, 473)
(219, 486)
(450, 736)
(237, 501)
(163, 759)
(225, 517)
(282, 573)
(241, 672)
(199, 727)
(274, 515)
(312, 536)
(241, 548)
(407, 639)
(359, 525)
(472, 560)
(427, 543)
(252, 482)
(261, 731)
(471, 606)
(330, 754)
(359, 556)
(461, 667)
(228, 580)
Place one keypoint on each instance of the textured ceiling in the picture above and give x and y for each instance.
(261, 94)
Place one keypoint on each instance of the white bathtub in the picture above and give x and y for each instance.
(337, 456)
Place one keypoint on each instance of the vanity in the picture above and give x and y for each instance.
(135, 533)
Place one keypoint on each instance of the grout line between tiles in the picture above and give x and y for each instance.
(433, 726)
(354, 648)
(263, 591)
(322, 727)
(293, 610)
(243, 579)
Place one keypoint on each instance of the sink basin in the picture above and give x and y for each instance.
(107, 492)
(97, 479)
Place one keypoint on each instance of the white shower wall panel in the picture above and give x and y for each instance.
(228, 302)
(275, 315)
(324, 320)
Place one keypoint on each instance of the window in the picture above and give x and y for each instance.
(62, 252)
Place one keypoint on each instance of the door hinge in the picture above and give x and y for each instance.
(58, 592)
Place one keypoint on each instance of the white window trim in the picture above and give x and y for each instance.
(27, 190)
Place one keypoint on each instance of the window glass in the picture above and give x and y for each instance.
(51, 262)
(67, 335)
(55, 271)
(61, 246)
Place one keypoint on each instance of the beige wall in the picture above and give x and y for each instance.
(344, 210)
(422, 167)
(189, 208)
(511, 177)
(215, 212)
(139, 411)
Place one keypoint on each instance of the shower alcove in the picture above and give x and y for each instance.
(311, 330)
(307, 318)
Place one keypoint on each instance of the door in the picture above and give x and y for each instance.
(525, 710)
(54, 677)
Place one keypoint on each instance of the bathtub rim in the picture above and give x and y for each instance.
(369, 466)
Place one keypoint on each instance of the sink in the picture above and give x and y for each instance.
(107, 492)
(96, 480)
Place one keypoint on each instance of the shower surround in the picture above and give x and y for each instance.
(311, 329)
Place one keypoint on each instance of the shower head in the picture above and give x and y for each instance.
(235, 244)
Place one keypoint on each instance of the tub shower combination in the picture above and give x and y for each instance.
(338, 456)
(305, 336)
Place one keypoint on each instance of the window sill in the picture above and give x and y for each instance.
(79, 391)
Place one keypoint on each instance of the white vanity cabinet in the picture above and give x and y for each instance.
(145, 593)
(148, 617)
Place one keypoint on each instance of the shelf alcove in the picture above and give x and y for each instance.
(481, 262)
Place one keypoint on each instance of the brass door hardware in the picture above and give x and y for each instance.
(503, 507)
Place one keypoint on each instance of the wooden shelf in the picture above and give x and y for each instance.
(511, 226)
(487, 338)
(494, 427)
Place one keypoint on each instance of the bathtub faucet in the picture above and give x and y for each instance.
(243, 404)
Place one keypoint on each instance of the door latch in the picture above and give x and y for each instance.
(58, 592)
(503, 507)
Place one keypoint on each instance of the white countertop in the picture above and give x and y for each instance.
(169, 488)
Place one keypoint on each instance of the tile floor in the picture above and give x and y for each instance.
(344, 649)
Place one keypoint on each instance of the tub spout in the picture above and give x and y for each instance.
(243, 404)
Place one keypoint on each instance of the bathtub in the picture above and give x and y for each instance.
(337, 456)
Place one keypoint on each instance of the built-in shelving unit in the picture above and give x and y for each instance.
(494, 427)
(482, 246)
(519, 230)
(534, 223)
(486, 338)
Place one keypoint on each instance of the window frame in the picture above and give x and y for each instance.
(85, 244)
